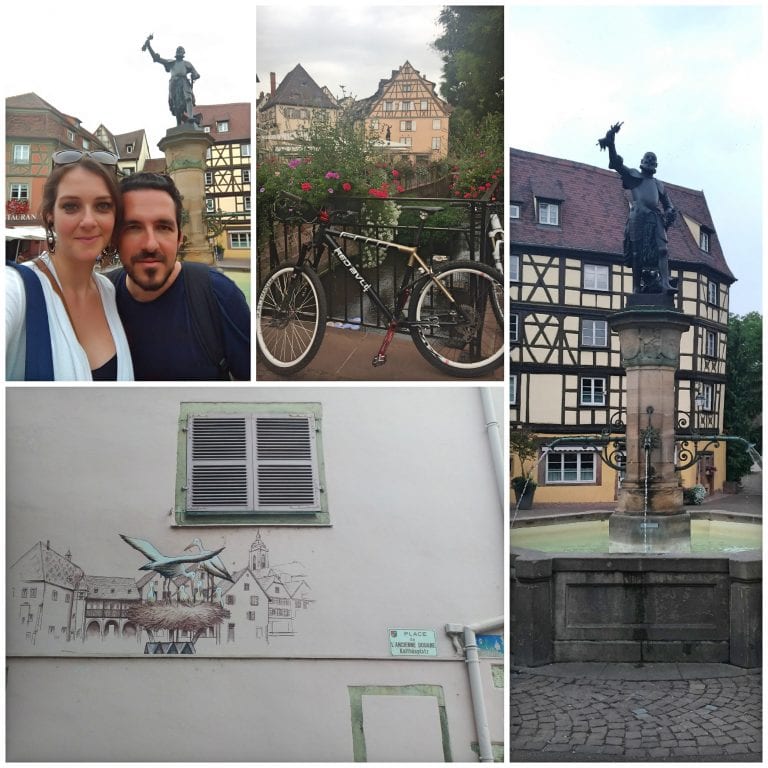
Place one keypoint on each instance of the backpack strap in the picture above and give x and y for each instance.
(205, 314)
(114, 275)
(38, 363)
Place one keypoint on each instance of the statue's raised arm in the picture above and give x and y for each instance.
(615, 160)
(610, 137)
(155, 56)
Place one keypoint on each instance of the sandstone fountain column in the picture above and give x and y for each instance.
(650, 515)
(185, 148)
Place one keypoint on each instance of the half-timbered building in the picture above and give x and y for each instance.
(289, 109)
(567, 275)
(132, 149)
(228, 178)
(406, 113)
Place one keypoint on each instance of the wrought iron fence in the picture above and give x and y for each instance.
(460, 231)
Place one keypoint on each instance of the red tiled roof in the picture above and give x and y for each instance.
(155, 165)
(298, 89)
(238, 114)
(594, 210)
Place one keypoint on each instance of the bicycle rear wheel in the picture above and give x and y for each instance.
(290, 318)
(458, 325)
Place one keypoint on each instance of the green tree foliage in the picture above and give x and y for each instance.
(744, 389)
(472, 47)
(523, 450)
(478, 159)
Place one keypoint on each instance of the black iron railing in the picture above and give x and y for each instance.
(460, 231)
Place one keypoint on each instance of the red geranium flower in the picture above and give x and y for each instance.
(306, 186)
(346, 186)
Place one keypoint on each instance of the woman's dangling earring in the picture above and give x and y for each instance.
(108, 253)
(50, 239)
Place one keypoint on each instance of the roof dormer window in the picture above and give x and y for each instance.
(548, 213)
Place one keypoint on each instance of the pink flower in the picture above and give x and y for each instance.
(306, 186)
(295, 162)
(400, 188)
(332, 175)
(395, 174)
(346, 186)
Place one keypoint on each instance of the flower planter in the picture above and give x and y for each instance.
(524, 498)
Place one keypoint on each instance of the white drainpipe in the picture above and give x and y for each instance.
(470, 632)
(494, 440)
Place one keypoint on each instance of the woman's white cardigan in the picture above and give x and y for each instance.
(70, 363)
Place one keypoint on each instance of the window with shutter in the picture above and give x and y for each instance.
(250, 463)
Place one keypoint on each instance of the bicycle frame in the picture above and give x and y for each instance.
(327, 237)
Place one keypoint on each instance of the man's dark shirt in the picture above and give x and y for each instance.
(162, 340)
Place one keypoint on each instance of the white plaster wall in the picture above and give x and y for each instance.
(416, 541)
(213, 710)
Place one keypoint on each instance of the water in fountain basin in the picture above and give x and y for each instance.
(592, 536)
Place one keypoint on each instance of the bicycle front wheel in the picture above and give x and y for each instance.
(290, 318)
(457, 319)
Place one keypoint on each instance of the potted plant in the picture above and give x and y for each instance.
(523, 450)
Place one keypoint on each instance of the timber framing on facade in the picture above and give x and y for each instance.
(406, 113)
(228, 177)
(567, 276)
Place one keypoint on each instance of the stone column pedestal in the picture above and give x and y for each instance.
(185, 148)
(650, 515)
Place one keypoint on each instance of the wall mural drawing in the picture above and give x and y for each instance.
(186, 603)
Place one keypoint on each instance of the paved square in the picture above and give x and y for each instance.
(622, 712)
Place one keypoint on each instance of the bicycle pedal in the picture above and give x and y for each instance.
(378, 360)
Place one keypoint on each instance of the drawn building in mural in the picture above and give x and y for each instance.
(50, 596)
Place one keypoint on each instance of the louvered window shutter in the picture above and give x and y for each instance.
(286, 463)
(252, 463)
(219, 469)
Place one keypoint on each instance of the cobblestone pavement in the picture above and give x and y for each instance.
(621, 712)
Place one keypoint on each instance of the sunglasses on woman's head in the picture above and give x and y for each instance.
(69, 156)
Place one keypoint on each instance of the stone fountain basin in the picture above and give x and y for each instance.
(636, 608)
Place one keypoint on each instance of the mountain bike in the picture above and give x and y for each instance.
(454, 311)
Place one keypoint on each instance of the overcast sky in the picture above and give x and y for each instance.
(354, 45)
(88, 62)
(688, 84)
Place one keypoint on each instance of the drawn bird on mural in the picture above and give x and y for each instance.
(214, 565)
(182, 596)
(168, 566)
(151, 595)
(198, 590)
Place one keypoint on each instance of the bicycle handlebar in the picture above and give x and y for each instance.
(288, 206)
(292, 206)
